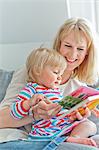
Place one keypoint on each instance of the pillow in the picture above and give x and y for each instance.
(5, 78)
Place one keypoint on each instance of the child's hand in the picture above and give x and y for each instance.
(95, 111)
(35, 99)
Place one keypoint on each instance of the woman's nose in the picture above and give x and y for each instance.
(73, 54)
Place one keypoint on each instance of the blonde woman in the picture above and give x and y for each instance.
(75, 40)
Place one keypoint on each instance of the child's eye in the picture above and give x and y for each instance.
(55, 72)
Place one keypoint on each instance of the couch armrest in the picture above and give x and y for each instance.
(5, 78)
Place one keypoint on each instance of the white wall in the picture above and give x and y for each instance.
(25, 24)
(30, 20)
(86, 8)
(13, 56)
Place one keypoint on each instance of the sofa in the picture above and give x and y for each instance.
(5, 79)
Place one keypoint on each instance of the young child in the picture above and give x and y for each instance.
(44, 69)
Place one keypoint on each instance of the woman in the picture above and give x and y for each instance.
(75, 41)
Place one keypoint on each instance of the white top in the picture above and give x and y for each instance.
(17, 83)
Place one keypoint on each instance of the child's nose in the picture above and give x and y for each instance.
(59, 77)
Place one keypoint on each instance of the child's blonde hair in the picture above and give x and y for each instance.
(87, 71)
(41, 57)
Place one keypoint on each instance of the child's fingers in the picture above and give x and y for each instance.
(48, 101)
(36, 98)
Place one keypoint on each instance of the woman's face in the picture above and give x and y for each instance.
(74, 50)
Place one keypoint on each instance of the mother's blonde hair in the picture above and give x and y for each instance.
(87, 71)
(41, 57)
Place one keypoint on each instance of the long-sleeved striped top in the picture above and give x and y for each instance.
(43, 129)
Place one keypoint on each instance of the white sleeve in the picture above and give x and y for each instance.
(17, 83)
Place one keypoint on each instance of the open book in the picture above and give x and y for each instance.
(79, 98)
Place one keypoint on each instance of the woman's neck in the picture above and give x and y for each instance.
(66, 76)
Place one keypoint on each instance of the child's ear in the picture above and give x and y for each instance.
(36, 71)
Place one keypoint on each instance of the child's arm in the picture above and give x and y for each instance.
(21, 108)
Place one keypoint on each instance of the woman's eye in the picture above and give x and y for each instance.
(80, 49)
(68, 45)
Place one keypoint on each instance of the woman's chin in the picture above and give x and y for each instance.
(71, 67)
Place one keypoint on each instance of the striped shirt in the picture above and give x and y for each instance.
(42, 129)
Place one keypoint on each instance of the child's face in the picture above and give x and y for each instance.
(51, 77)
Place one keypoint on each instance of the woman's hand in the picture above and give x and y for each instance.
(45, 109)
(76, 115)
(95, 111)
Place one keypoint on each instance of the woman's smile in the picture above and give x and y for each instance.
(70, 60)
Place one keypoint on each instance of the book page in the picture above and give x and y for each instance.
(79, 98)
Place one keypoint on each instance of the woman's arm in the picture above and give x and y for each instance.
(17, 83)
(43, 110)
(6, 120)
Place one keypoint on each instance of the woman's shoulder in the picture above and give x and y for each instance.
(20, 74)
(17, 83)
